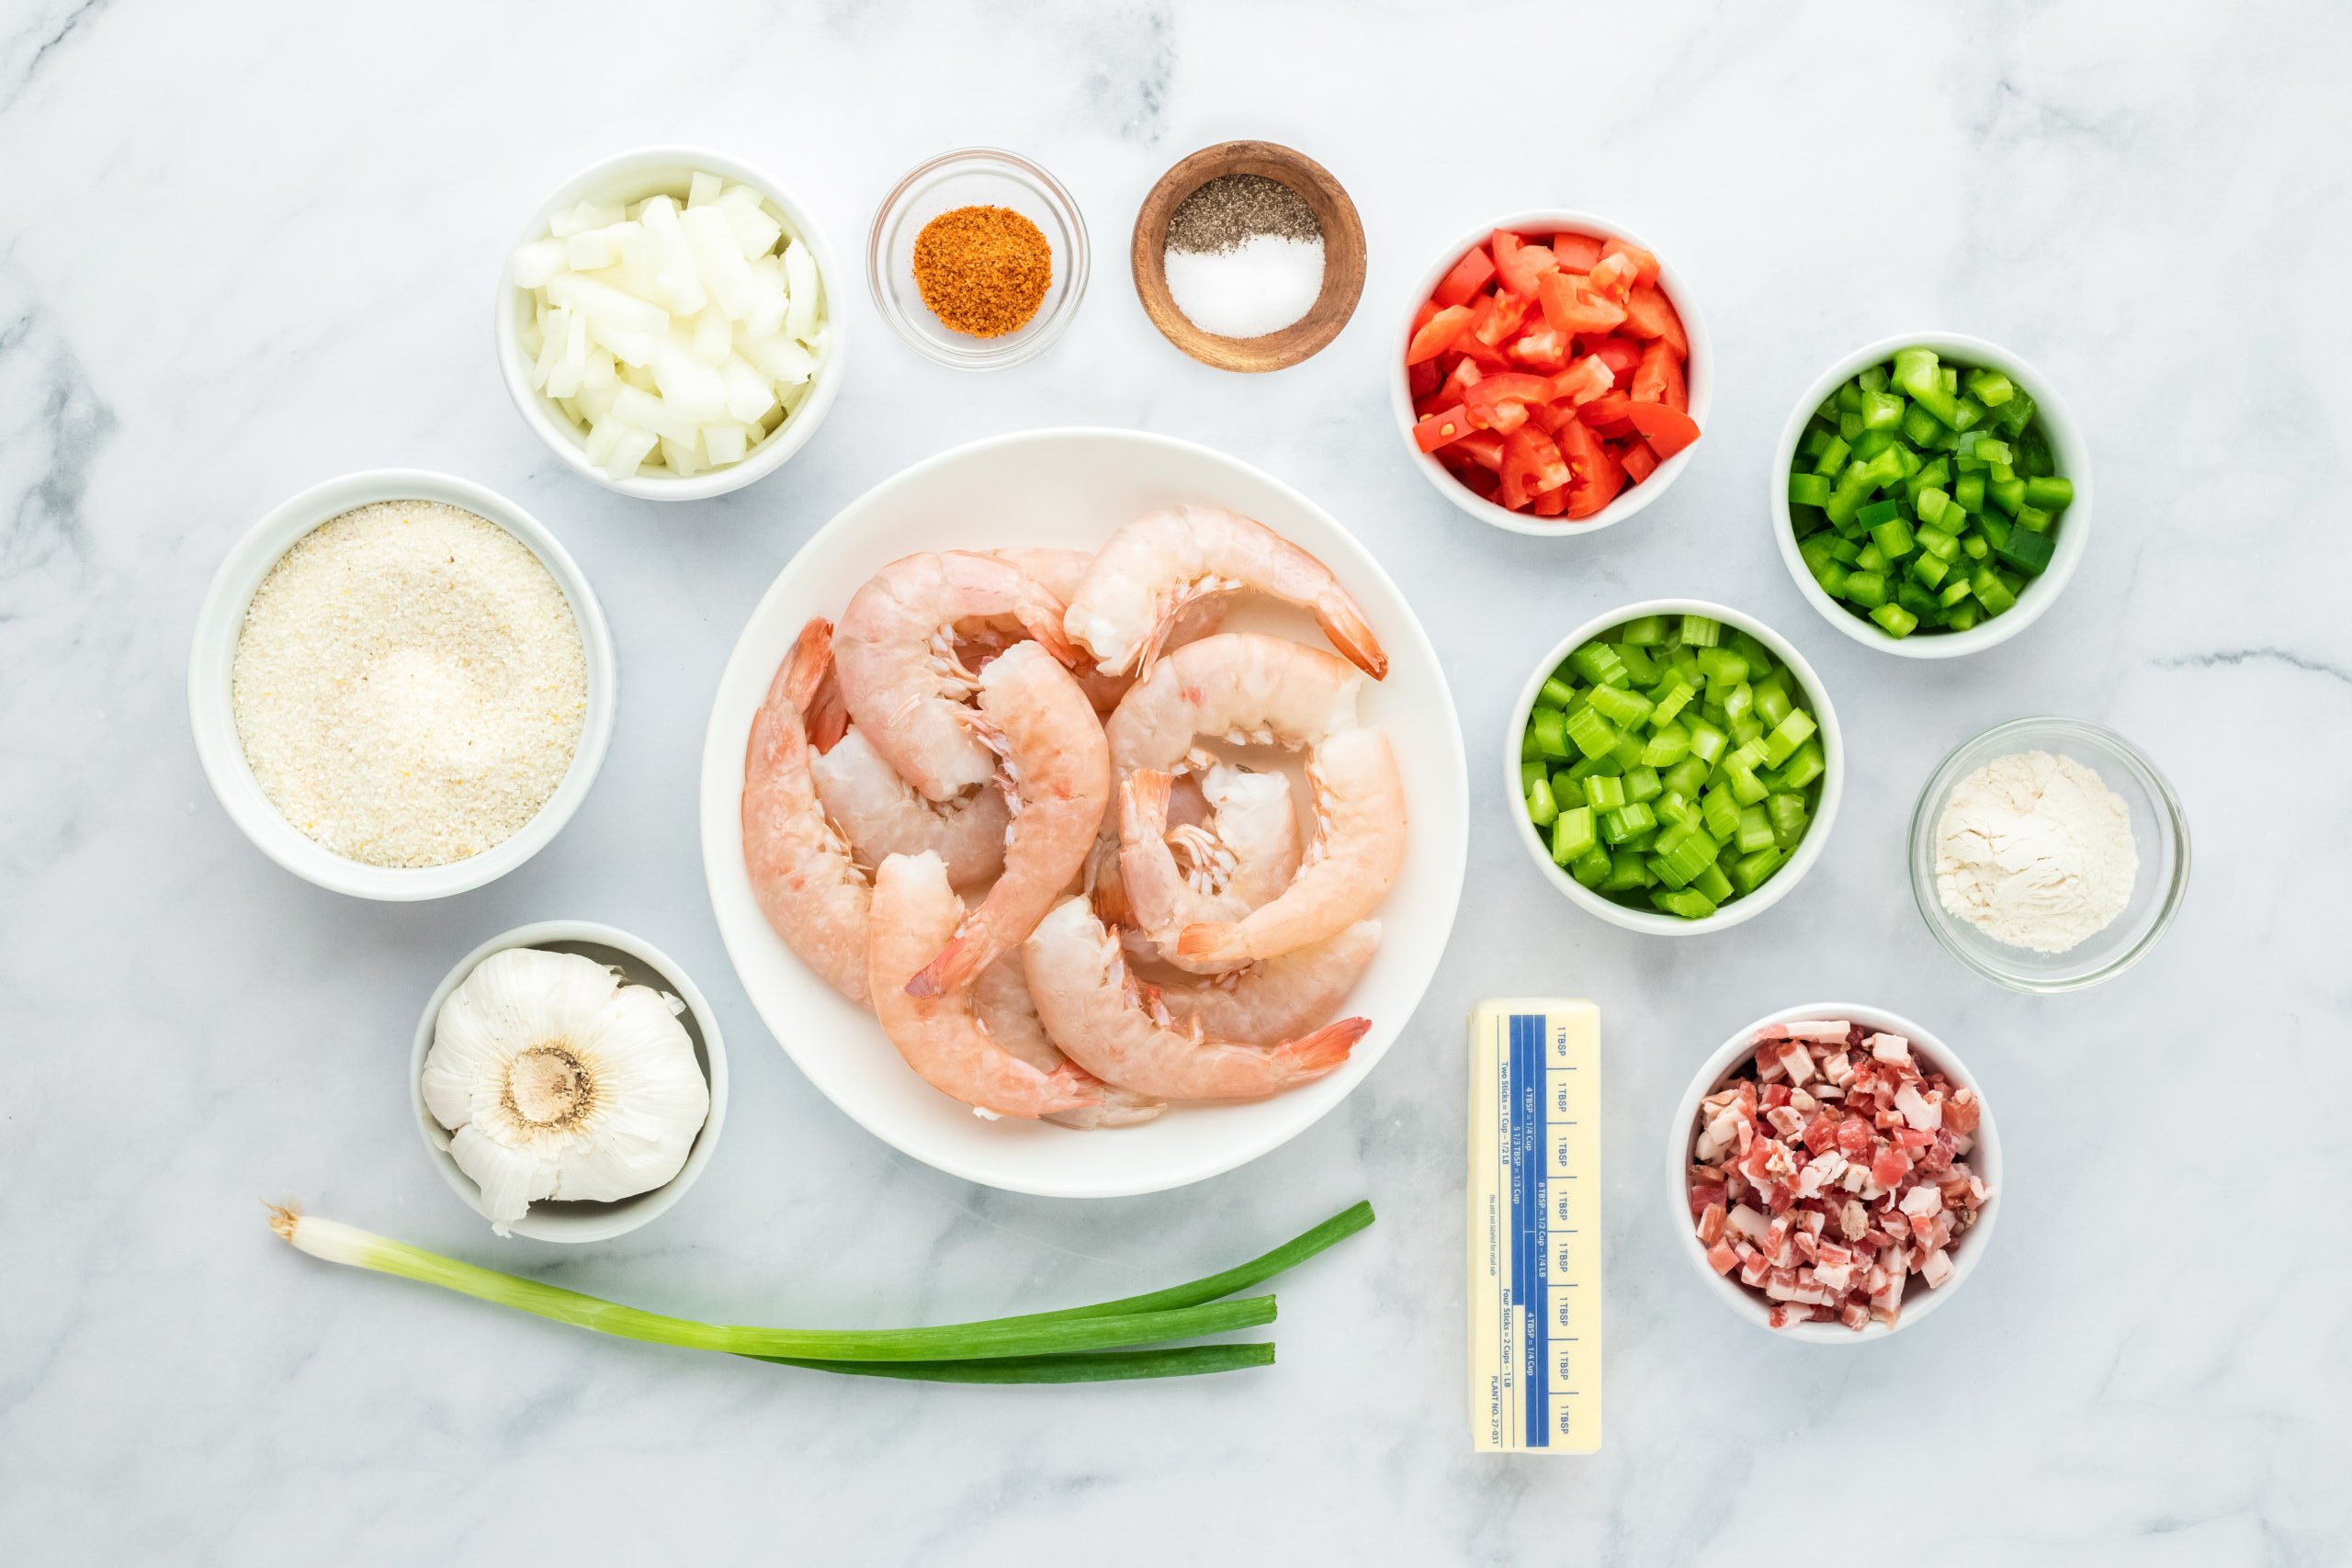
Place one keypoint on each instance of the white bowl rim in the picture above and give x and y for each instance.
(1700, 370)
(770, 455)
(2073, 535)
(717, 751)
(548, 1220)
(1985, 1160)
(1776, 887)
(213, 720)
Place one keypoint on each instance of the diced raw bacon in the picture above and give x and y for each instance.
(1831, 1169)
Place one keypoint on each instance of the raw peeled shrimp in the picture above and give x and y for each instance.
(1359, 848)
(808, 885)
(1275, 998)
(1244, 855)
(1031, 713)
(1244, 687)
(1078, 978)
(1061, 572)
(901, 679)
(1151, 569)
(884, 816)
(941, 1036)
(1001, 994)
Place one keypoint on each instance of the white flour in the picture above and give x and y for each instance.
(2035, 850)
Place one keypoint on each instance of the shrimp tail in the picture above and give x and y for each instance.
(1143, 804)
(1071, 1087)
(1351, 634)
(1043, 621)
(952, 970)
(828, 714)
(1211, 941)
(1311, 1055)
(803, 672)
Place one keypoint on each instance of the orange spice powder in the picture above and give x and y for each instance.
(983, 270)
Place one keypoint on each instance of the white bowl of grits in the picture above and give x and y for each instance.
(401, 686)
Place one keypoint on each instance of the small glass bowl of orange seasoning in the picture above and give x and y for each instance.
(979, 258)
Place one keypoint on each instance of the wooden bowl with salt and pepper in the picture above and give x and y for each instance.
(1334, 215)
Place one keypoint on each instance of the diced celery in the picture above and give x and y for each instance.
(1548, 729)
(1707, 742)
(1644, 631)
(1679, 692)
(1809, 763)
(1666, 747)
(1772, 701)
(1746, 728)
(1788, 814)
(1687, 902)
(1750, 871)
(1540, 807)
(1620, 708)
(1637, 663)
(1556, 693)
(1754, 829)
(1631, 818)
(1588, 729)
(1700, 631)
(1603, 792)
(1641, 785)
(1626, 872)
(1740, 702)
(1528, 774)
(1719, 812)
(1626, 753)
(1592, 867)
(1787, 736)
(1573, 833)
(1687, 777)
(1598, 664)
(1746, 787)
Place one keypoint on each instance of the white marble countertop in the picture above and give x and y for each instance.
(244, 249)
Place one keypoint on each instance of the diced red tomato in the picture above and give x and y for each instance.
(1434, 336)
(1578, 253)
(1520, 265)
(1544, 348)
(1658, 378)
(1620, 353)
(1499, 401)
(1668, 430)
(1572, 307)
(1585, 379)
(1508, 315)
(1606, 413)
(1612, 277)
(1469, 275)
(1439, 429)
(1598, 476)
(1647, 314)
(1546, 375)
(1644, 264)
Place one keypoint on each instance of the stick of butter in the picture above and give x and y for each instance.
(1536, 1226)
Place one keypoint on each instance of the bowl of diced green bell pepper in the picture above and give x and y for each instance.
(1674, 767)
(1931, 495)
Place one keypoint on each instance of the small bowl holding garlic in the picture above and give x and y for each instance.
(666, 324)
(569, 1081)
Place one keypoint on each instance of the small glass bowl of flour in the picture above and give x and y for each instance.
(2048, 854)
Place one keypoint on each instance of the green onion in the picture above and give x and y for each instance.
(1049, 1347)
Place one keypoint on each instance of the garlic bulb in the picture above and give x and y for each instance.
(559, 1081)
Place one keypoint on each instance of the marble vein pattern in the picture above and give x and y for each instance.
(246, 247)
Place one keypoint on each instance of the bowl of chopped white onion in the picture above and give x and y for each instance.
(667, 323)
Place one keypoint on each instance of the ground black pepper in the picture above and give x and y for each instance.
(1232, 209)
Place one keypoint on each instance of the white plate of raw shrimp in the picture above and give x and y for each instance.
(1072, 490)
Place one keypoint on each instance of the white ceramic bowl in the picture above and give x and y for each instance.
(2067, 449)
(632, 177)
(1073, 488)
(212, 712)
(1919, 1301)
(1699, 373)
(1776, 887)
(641, 963)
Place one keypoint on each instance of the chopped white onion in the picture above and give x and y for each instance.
(676, 334)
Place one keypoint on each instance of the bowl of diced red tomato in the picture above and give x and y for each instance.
(1555, 374)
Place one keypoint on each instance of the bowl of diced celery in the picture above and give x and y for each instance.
(1673, 766)
(1933, 495)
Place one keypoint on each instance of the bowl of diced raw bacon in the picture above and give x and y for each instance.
(1555, 374)
(1838, 1173)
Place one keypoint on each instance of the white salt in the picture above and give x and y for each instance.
(1261, 285)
